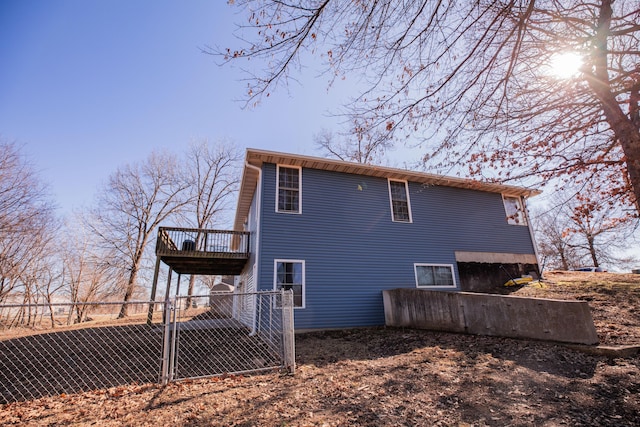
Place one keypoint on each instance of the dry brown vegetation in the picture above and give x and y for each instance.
(390, 377)
(614, 300)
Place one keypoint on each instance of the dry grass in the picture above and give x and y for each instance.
(614, 300)
(392, 377)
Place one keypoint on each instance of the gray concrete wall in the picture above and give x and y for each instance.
(485, 314)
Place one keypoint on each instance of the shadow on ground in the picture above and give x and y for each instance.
(73, 361)
(374, 343)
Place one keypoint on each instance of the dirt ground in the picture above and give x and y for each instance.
(393, 377)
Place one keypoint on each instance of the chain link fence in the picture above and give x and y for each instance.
(68, 348)
(233, 333)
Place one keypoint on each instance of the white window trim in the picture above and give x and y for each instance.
(522, 216)
(424, 264)
(299, 189)
(304, 278)
(406, 189)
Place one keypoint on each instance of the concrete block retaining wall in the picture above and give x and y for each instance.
(487, 314)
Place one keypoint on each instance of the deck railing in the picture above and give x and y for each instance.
(195, 241)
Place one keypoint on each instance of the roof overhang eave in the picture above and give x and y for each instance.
(257, 158)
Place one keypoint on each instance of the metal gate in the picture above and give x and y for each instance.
(226, 333)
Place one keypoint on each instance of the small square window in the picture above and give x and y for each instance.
(434, 276)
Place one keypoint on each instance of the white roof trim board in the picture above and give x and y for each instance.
(258, 157)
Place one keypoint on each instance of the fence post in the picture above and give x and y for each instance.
(166, 343)
(175, 336)
(288, 336)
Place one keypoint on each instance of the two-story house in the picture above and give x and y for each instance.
(339, 233)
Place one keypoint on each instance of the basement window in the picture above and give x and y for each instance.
(434, 276)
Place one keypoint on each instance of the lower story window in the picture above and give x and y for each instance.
(289, 275)
(434, 276)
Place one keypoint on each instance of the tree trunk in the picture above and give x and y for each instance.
(131, 284)
(192, 282)
(192, 278)
(627, 134)
(592, 251)
(631, 148)
(51, 311)
(79, 313)
(563, 259)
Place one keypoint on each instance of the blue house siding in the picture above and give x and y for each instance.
(468, 220)
(252, 227)
(353, 250)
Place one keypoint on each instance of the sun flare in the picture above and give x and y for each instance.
(565, 65)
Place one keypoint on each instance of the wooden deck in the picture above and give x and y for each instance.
(202, 251)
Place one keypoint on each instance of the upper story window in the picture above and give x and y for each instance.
(289, 189)
(514, 210)
(399, 198)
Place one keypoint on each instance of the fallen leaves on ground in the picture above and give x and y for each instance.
(391, 377)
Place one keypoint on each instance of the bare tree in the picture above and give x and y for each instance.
(87, 274)
(134, 202)
(213, 177)
(366, 149)
(208, 281)
(601, 231)
(472, 79)
(583, 228)
(50, 285)
(40, 282)
(555, 246)
(27, 223)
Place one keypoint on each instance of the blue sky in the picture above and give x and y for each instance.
(89, 85)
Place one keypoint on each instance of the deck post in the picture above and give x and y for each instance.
(154, 287)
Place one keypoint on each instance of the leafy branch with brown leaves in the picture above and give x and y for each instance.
(471, 81)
